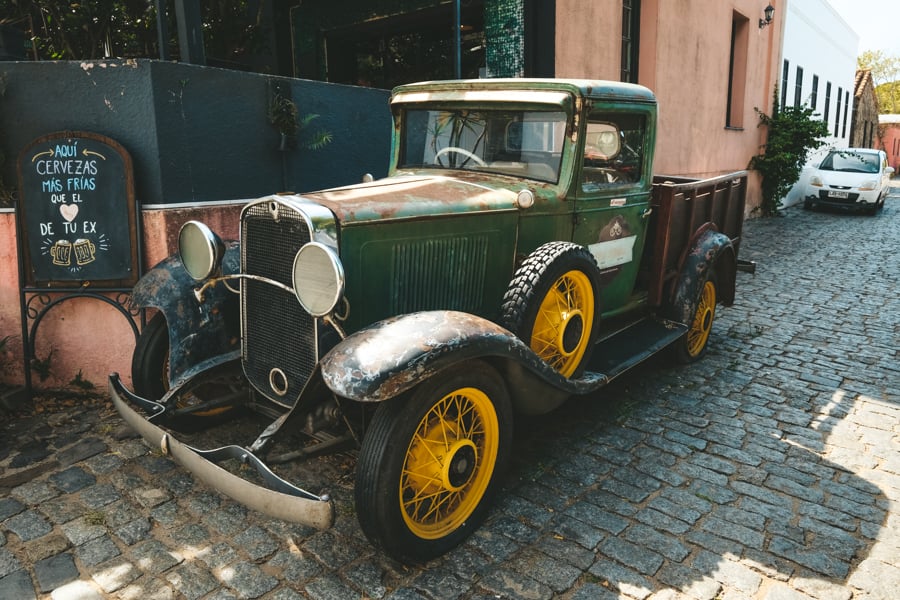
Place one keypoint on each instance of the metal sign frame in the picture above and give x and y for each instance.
(39, 295)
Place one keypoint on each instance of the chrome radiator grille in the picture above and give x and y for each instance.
(277, 332)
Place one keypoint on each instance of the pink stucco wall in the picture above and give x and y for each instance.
(890, 143)
(10, 325)
(88, 336)
(684, 58)
(588, 39)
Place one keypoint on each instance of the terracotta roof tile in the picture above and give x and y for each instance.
(863, 76)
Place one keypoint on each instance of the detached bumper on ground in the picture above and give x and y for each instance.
(281, 499)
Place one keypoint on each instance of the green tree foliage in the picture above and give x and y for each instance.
(888, 95)
(885, 70)
(66, 30)
(793, 132)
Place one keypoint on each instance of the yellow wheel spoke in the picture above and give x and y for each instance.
(703, 318)
(438, 503)
(569, 300)
(436, 493)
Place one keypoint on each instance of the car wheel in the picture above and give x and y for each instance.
(430, 462)
(693, 344)
(150, 378)
(150, 361)
(807, 205)
(552, 305)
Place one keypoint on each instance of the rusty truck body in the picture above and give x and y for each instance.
(519, 251)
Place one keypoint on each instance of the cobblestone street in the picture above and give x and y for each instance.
(768, 470)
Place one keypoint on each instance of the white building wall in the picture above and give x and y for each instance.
(822, 44)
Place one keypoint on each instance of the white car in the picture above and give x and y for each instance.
(850, 178)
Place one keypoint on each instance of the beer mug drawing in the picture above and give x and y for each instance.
(61, 251)
(84, 251)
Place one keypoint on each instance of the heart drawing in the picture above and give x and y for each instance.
(68, 211)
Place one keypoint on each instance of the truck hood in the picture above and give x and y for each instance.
(412, 196)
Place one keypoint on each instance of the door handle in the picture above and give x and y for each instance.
(646, 213)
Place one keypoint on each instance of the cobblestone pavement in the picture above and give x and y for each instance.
(768, 470)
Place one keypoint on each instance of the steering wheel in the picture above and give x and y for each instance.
(462, 151)
(612, 176)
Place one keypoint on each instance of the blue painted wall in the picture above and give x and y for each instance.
(195, 133)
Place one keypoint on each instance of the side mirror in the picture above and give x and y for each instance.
(889, 170)
(603, 141)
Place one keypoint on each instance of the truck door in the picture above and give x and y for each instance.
(613, 200)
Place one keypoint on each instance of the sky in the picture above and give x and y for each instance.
(877, 22)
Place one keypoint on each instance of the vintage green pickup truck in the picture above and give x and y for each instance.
(519, 251)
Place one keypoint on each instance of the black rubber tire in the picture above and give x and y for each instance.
(397, 436)
(150, 378)
(807, 205)
(534, 279)
(687, 350)
(873, 210)
(149, 363)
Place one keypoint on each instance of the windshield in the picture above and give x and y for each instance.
(522, 143)
(850, 162)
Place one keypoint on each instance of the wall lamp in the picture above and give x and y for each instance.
(769, 11)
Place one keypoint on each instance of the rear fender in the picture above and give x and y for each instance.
(198, 331)
(710, 250)
(392, 356)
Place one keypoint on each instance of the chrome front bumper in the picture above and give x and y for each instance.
(281, 499)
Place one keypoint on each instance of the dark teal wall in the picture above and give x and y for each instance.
(195, 133)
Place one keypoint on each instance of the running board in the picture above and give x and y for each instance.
(633, 345)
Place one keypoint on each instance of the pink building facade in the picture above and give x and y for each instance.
(711, 63)
(889, 128)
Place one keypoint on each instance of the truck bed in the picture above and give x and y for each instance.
(681, 206)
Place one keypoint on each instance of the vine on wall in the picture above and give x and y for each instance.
(793, 132)
(285, 117)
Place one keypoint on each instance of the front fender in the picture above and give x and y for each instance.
(391, 356)
(198, 331)
(710, 251)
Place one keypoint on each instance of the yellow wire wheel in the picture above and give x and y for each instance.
(563, 322)
(698, 334)
(692, 345)
(551, 304)
(430, 461)
(449, 463)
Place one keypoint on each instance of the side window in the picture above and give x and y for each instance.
(613, 150)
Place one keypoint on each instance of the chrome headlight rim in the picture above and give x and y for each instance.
(318, 278)
(200, 250)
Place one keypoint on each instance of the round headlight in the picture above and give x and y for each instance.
(525, 199)
(318, 278)
(200, 249)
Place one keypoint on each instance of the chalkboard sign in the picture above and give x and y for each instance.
(76, 215)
